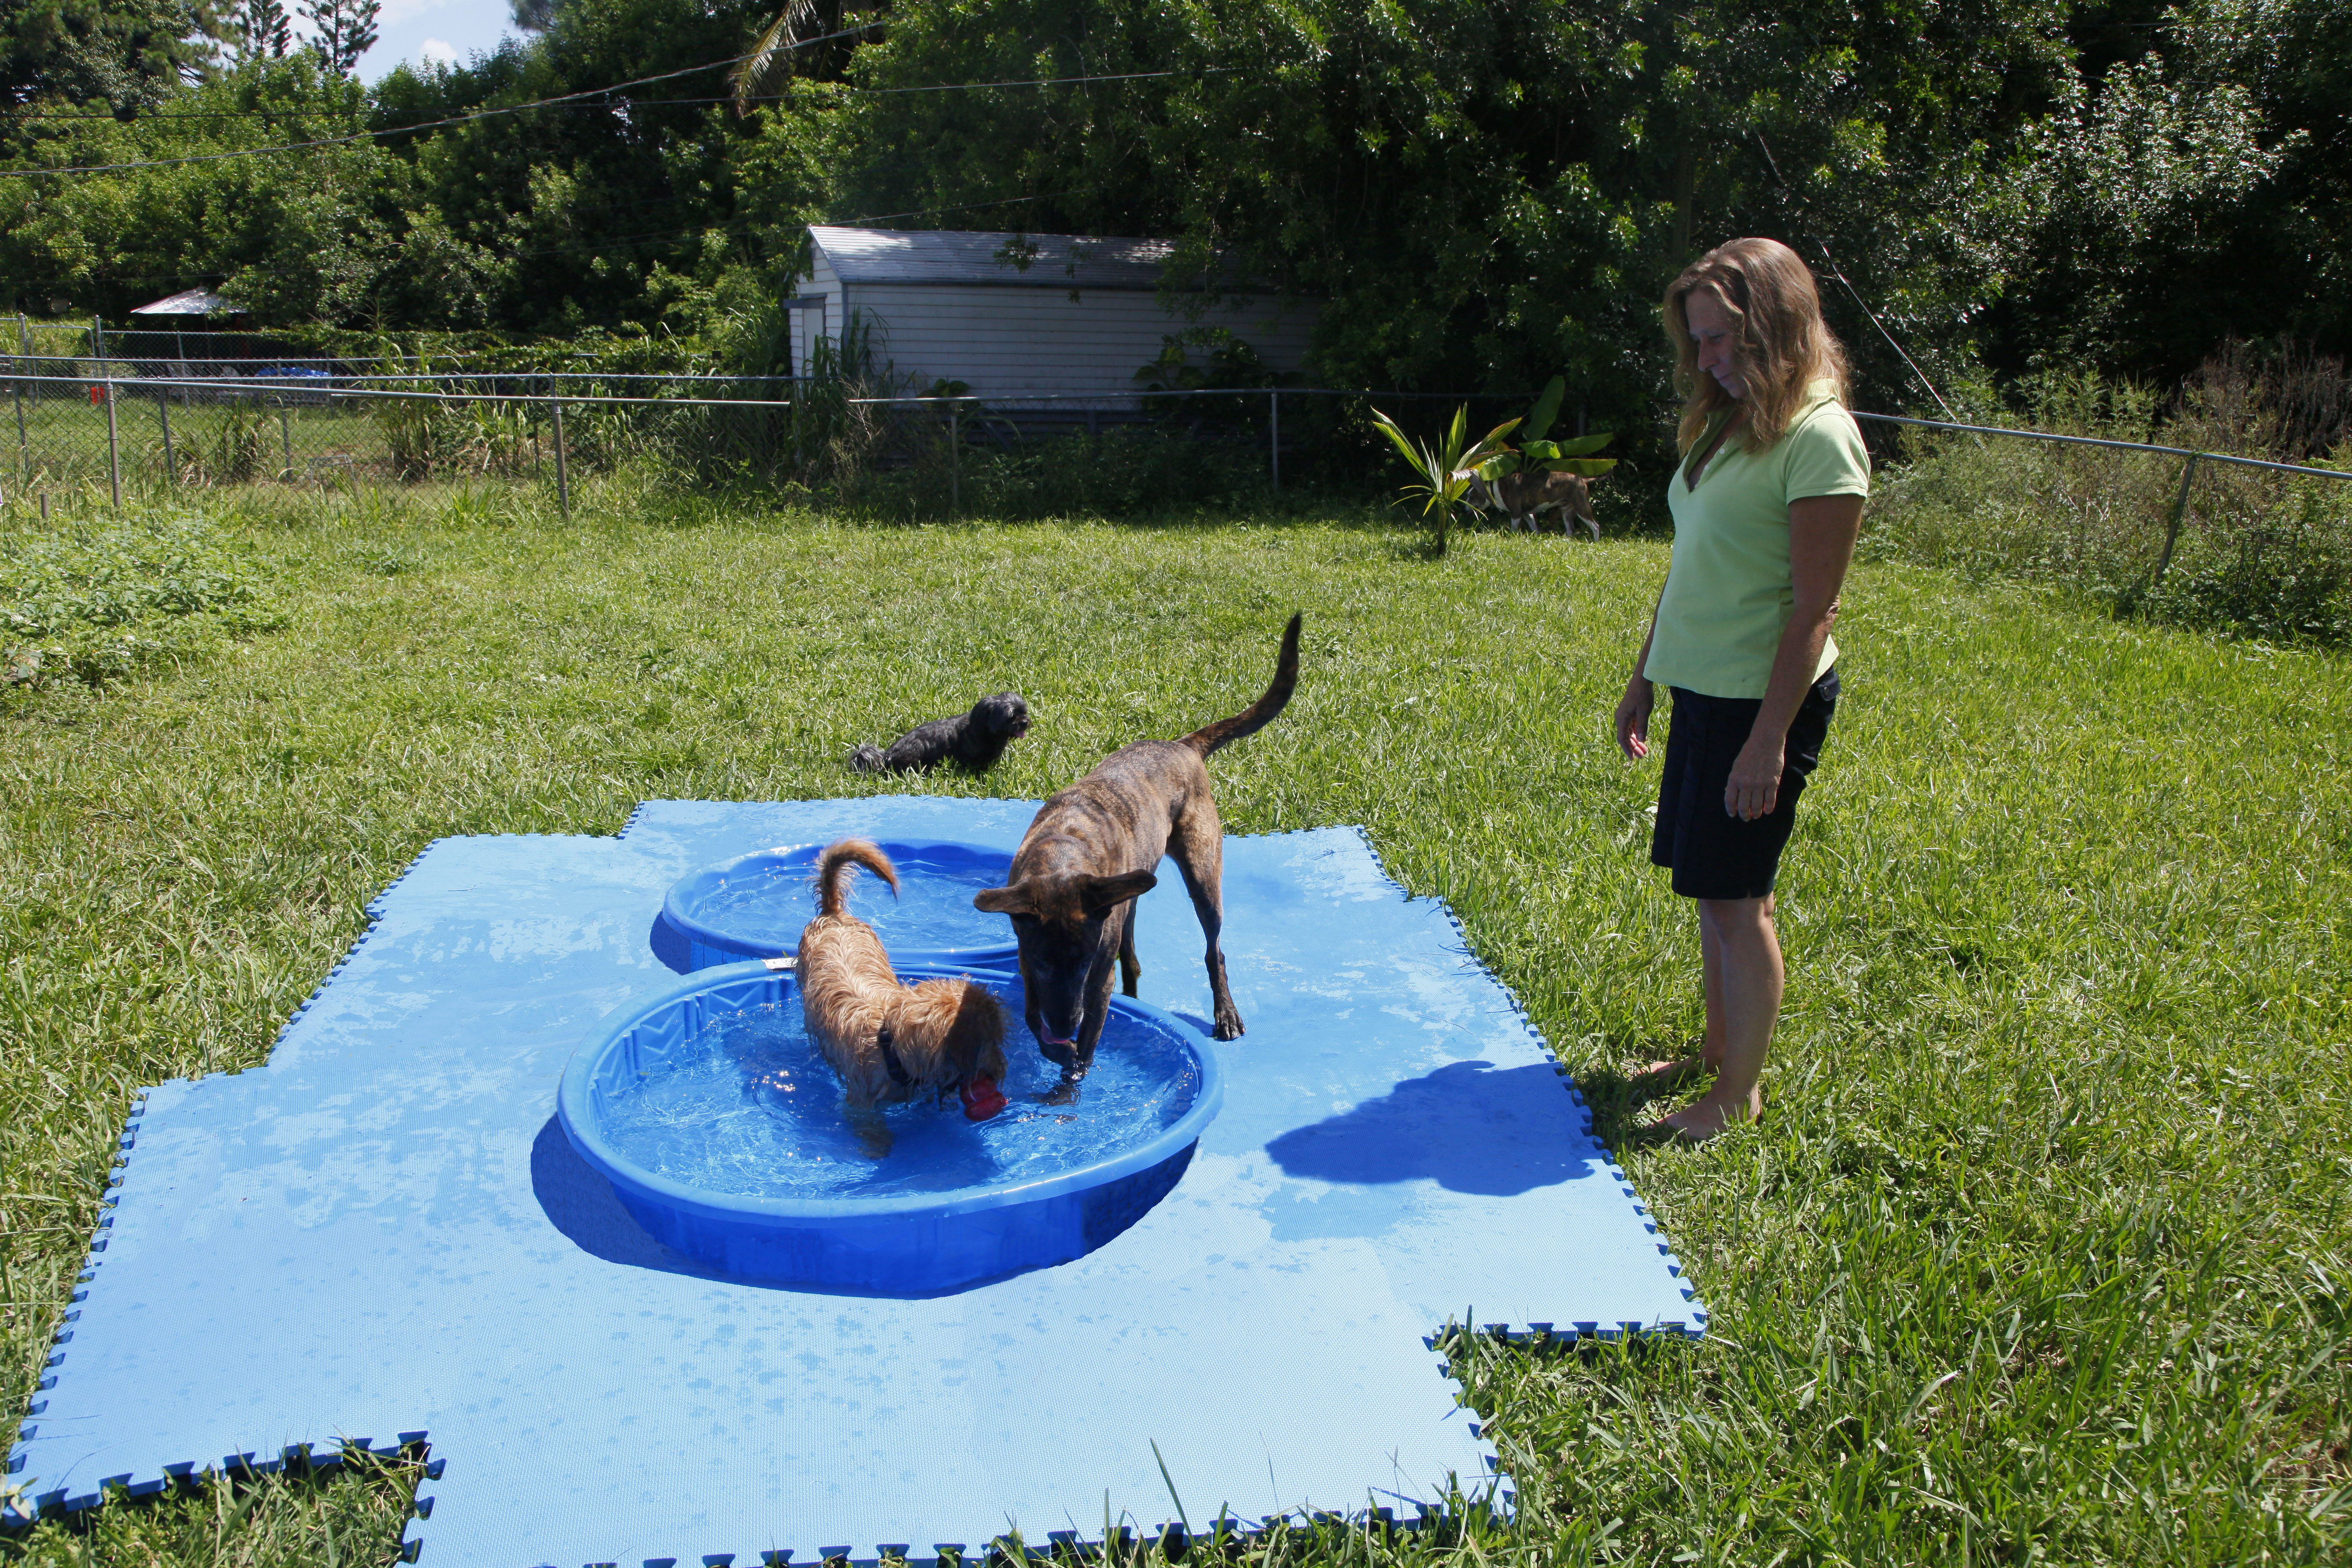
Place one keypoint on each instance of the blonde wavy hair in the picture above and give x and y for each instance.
(1783, 344)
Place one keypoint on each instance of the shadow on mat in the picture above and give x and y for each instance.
(670, 946)
(1469, 1127)
(580, 1203)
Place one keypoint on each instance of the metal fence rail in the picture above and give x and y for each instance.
(2191, 456)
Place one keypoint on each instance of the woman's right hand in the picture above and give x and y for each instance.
(1633, 717)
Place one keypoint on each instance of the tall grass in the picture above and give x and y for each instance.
(2041, 1254)
(2238, 549)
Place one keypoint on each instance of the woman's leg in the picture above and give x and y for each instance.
(1708, 1058)
(1741, 954)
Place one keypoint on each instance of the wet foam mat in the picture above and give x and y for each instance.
(382, 1236)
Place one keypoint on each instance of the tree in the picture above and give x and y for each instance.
(341, 31)
(126, 53)
(262, 29)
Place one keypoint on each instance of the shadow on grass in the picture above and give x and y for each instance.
(1620, 1102)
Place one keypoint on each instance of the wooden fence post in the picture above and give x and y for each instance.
(562, 475)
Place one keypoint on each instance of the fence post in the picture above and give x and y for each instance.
(955, 462)
(2172, 527)
(114, 445)
(163, 411)
(24, 445)
(1274, 423)
(286, 437)
(97, 342)
(562, 476)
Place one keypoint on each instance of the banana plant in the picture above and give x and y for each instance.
(1448, 469)
(1537, 454)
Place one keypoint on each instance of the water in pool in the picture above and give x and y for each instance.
(748, 1108)
(933, 910)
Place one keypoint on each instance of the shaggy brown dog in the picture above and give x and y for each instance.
(888, 1041)
(1089, 853)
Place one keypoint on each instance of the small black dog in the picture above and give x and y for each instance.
(975, 739)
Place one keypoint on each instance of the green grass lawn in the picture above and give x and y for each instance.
(2041, 1253)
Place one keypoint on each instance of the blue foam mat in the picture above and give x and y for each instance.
(381, 1235)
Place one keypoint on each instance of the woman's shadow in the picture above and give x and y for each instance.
(1470, 1127)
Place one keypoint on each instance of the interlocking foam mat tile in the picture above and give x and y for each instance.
(383, 1235)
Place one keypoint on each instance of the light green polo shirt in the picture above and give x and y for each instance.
(1729, 595)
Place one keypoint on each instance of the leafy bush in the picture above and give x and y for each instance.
(96, 604)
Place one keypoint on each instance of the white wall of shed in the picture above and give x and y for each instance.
(810, 322)
(1004, 340)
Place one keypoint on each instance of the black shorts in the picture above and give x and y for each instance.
(1713, 854)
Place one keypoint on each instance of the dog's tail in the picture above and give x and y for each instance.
(1260, 713)
(837, 859)
(866, 758)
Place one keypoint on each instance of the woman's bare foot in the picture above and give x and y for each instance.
(1679, 1067)
(1697, 1122)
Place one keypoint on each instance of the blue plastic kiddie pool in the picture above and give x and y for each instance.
(723, 1131)
(754, 905)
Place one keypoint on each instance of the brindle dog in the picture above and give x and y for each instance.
(1089, 853)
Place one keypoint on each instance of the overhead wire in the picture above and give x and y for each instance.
(1837, 273)
(633, 104)
(425, 125)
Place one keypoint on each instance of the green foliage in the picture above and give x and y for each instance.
(1537, 454)
(1476, 195)
(2186, 187)
(95, 605)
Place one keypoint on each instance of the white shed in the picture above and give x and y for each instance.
(1082, 317)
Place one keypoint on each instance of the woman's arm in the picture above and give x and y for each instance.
(1634, 709)
(1822, 533)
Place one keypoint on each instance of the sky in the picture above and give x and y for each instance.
(449, 31)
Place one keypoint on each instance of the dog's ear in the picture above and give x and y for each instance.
(1101, 895)
(1012, 900)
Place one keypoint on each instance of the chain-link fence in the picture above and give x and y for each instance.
(138, 428)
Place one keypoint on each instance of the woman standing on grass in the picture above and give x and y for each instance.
(1767, 504)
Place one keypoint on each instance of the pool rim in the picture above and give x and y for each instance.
(572, 1104)
(989, 955)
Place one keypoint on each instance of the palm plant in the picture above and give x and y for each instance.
(774, 55)
(1448, 469)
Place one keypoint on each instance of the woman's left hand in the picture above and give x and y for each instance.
(1755, 785)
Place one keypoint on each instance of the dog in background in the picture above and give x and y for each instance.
(973, 739)
(888, 1041)
(1089, 853)
(1526, 498)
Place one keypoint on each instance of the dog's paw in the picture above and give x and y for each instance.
(1228, 1028)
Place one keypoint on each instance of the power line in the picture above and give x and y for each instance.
(634, 103)
(425, 125)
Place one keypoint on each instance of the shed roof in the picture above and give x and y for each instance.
(962, 255)
(191, 302)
